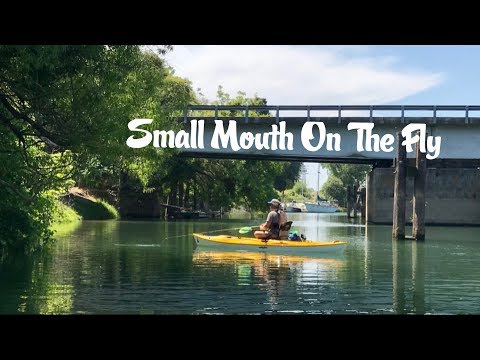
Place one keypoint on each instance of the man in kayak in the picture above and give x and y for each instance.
(270, 229)
(283, 234)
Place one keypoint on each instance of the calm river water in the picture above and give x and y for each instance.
(142, 267)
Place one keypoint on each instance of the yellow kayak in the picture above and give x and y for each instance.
(283, 246)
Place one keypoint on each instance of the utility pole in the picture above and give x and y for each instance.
(303, 171)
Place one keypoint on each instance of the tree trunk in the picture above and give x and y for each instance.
(173, 199)
(194, 193)
(180, 193)
(186, 198)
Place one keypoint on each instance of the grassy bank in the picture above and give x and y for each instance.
(77, 206)
(65, 219)
(88, 206)
(95, 209)
(242, 214)
(64, 214)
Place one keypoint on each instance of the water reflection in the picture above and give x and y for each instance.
(32, 287)
(418, 276)
(138, 267)
(398, 281)
(327, 227)
(273, 274)
(407, 268)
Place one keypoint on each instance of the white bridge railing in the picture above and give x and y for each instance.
(401, 109)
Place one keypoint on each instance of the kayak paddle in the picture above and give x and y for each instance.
(246, 229)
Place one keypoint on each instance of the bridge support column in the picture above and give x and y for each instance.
(363, 197)
(349, 201)
(398, 230)
(419, 183)
(445, 189)
(371, 193)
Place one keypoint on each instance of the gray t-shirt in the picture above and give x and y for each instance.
(273, 218)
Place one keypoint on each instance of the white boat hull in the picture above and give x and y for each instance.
(317, 208)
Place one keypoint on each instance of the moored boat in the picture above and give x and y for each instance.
(272, 245)
(321, 207)
(293, 209)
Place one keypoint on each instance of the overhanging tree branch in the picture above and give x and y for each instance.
(45, 135)
(25, 198)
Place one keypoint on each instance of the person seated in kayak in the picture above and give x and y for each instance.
(283, 234)
(271, 227)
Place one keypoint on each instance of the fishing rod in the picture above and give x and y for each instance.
(207, 232)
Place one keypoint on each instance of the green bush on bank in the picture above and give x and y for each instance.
(64, 214)
(65, 219)
(111, 210)
(93, 209)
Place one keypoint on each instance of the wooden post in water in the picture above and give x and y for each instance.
(369, 201)
(398, 229)
(349, 201)
(418, 231)
(363, 198)
(166, 208)
(354, 200)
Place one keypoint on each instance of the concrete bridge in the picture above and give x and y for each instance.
(458, 129)
(452, 194)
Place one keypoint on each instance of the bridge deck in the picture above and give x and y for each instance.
(459, 132)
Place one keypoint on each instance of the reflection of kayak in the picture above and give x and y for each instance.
(282, 246)
(254, 257)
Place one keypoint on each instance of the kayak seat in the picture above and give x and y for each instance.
(286, 226)
(285, 230)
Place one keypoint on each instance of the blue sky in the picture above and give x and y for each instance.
(332, 75)
(460, 66)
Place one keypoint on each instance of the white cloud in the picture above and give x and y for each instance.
(300, 75)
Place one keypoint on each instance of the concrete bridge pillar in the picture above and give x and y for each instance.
(452, 196)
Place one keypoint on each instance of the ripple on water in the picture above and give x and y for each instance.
(152, 268)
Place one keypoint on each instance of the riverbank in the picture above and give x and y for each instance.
(88, 206)
(65, 220)
(78, 205)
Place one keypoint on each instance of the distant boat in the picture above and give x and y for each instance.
(292, 209)
(321, 206)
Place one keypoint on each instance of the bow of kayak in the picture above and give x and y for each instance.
(282, 246)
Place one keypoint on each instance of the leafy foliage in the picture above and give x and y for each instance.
(341, 176)
(214, 184)
(63, 114)
(299, 192)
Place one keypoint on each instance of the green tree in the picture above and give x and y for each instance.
(290, 172)
(340, 176)
(64, 111)
(299, 192)
(333, 189)
(214, 184)
(348, 173)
